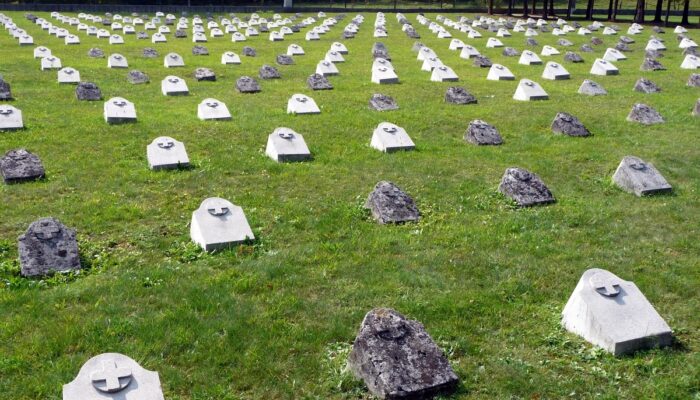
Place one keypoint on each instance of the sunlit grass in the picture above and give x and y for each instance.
(273, 320)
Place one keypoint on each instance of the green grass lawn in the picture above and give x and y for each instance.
(276, 319)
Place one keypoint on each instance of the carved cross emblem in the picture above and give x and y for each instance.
(47, 230)
(639, 166)
(606, 284)
(111, 379)
(217, 210)
(165, 143)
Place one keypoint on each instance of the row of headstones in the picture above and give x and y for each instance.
(174, 60)
(397, 358)
(230, 25)
(316, 81)
(172, 85)
(198, 36)
(198, 32)
(653, 48)
(552, 71)
(622, 46)
(285, 145)
(611, 54)
(119, 110)
(527, 90)
(528, 27)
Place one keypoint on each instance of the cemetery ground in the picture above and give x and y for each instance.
(275, 318)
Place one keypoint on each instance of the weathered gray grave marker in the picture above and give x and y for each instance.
(397, 358)
(525, 188)
(47, 247)
(637, 176)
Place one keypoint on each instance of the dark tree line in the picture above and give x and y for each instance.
(613, 7)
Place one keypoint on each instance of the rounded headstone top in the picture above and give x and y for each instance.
(285, 133)
(113, 375)
(164, 142)
(388, 127)
(216, 206)
(119, 101)
(18, 154)
(604, 282)
(636, 163)
(6, 110)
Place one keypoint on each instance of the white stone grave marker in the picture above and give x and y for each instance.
(10, 118)
(285, 145)
(549, 51)
(174, 86)
(555, 71)
(71, 39)
(50, 62)
(302, 104)
(113, 376)
(602, 67)
(613, 55)
(119, 110)
(388, 137)
(116, 39)
(212, 109)
(493, 43)
(166, 153)
(230, 57)
(529, 58)
(117, 61)
(691, 62)
(41, 52)
(529, 90)
(68, 75)
(326, 68)
(614, 314)
(468, 52)
(498, 72)
(218, 224)
(443, 73)
(173, 60)
(295, 50)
